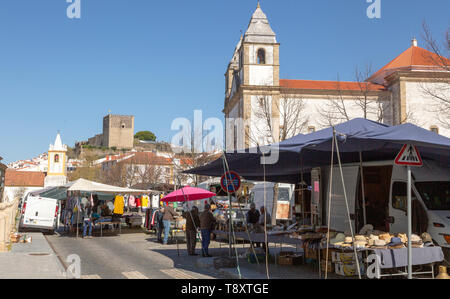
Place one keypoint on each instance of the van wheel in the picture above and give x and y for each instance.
(51, 231)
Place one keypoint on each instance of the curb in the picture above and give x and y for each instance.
(62, 265)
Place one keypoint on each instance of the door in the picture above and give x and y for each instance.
(376, 197)
(40, 212)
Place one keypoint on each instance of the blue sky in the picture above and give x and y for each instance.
(159, 60)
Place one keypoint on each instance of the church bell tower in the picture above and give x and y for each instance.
(57, 164)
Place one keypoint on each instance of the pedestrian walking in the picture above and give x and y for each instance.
(207, 222)
(192, 223)
(168, 216)
(86, 209)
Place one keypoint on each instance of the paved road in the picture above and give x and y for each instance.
(128, 256)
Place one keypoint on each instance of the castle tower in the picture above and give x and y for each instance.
(57, 164)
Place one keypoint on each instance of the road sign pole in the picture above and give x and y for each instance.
(409, 223)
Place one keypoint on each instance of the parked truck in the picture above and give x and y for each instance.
(385, 198)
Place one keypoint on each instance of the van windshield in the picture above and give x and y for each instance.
(436, 195)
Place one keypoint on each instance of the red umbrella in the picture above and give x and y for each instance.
(188, 194)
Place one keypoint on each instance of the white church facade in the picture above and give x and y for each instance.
(262, 108)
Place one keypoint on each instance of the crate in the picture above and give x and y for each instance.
(345, 257)
(311, 253)
(323, 254)
(261, 258)
(329, 266)
(348, 269)
(290, 260)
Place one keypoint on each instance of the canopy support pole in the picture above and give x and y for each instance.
(409, 223)
(329, 205)
(265, 221)
(346, 200)
(362, 188)
(225, 166)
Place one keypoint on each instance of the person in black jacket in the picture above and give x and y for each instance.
(159, 224)
(192, 223)
(86, 209)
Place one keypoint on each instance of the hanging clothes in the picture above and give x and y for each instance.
(138, 202)
(145, 201)
(119, 204)
(132, 201)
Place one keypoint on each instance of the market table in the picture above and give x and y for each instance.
(102, 222)
(398, 258)
(384, 259)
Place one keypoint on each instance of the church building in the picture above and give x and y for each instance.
(57, 164)
(262, 108)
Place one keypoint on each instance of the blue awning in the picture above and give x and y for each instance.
(376, 141)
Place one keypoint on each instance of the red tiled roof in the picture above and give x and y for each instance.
(329, 85)
(147, 158)
(24, 178)
(413, 57)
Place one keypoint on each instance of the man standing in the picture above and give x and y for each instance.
(207, 222)
(253, 215)
(159, 224)
(264, 221)
(86, 209)
(192, 222)
(168, 216)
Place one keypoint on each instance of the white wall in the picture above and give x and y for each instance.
(258, 125)
(424, 108)
(10, 192)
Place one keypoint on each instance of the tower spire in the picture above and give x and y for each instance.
(259, 29)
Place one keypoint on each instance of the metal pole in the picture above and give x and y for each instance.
(408, 192)
(362, 188)
(230, 223)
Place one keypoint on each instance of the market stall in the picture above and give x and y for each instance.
(110, 204)
(358, 141)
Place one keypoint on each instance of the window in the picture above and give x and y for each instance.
(261, 56)
(434, 129)
(399, 196)
(436, 195)
(311, 129)
(56, 158)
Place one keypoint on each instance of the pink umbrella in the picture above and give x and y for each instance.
(188, 194)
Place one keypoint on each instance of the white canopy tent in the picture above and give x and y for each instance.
(84, 185)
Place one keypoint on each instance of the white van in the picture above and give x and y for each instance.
(385, 189)
(285, 200)
(39, 213)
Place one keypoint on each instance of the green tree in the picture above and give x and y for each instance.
(145, 135)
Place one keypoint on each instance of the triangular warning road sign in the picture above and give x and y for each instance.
(409, 155)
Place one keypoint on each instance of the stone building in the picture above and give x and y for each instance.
(118, 132)
(255, 92)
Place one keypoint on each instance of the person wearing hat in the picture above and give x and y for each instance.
(207, 222)
(192, 222)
